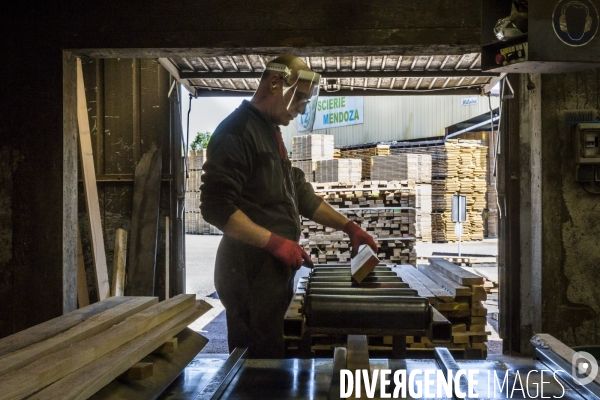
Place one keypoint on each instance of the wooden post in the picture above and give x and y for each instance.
(119, 262)
(91, 191)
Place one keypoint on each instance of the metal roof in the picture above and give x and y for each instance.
(239, 75)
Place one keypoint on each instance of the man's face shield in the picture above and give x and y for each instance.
(300, 93)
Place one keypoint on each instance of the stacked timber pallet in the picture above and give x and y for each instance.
(458, 295)
(416, 167)
(458, 167)
(194, 223)
(338, 170)
(312, 147)
(82, 353)
(386, 210)
(307, 166)
(365, 155)
(308, 149)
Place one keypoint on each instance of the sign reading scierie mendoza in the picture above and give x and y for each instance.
(336, 111)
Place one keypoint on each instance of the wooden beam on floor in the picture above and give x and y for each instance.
(57, 325)
(53, 367)
(89, 379)
(91, 327)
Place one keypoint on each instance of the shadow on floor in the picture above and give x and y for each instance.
(216, 333)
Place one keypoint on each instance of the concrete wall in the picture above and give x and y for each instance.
(571, 217)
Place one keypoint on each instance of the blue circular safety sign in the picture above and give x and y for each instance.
(575, 22)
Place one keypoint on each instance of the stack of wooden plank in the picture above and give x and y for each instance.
(196, 159)
(338, 170)
(365, 155)
(490, 276)
(308, 167)
(76, 355)
(194, 223)
(455, 293)
(312, 147)
(386, 210)
(407, 166)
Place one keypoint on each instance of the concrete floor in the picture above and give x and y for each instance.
(200, 260)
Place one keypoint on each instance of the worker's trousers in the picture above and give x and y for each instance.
(255, 289)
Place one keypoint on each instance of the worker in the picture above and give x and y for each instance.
(252, 193)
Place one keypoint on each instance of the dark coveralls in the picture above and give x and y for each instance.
(244, 170)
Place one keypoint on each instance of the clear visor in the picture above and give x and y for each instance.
(300, 96)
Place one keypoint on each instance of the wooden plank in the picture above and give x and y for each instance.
(138, 372)
(57, 325)
(489, 273)
(363, 263)
(92, 326)
(52, 367)
(403, 271)
(144, 224)
(83, 297)
(91, 191)
(479, 293)
(87, 380)
(119, 260)
(455, 272)
(358, 353)
(167, 367)
(439, 292)
(167, 347)
(454, 288)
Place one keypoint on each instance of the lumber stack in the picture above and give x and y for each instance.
(338, 170)
(458, 167)
(365, 155)
(416, 167)
(307, 166)
(386, 210)
(194, 223)
(76, 355)
(455, 293)
(312, 147)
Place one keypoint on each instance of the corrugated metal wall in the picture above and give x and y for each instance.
(389, 118)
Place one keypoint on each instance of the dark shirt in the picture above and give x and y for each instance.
(245, 171)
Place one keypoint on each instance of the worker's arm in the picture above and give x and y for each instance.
(326, 215)
(315, 208)
(241, 228)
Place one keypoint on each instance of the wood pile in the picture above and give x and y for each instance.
(307, 166)
(194, 223)
(458, 295)
(338, 170)
(416, 167)
(312, 147)
(76, 355)
(365, 155)
(490, 276)
(196, 159)
(386, 210)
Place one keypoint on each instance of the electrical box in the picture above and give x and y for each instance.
(587, 140)
(588, 143)
(459, 208)
(562, 36)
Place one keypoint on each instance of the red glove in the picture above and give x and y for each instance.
(287, 251)
(358, 237)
